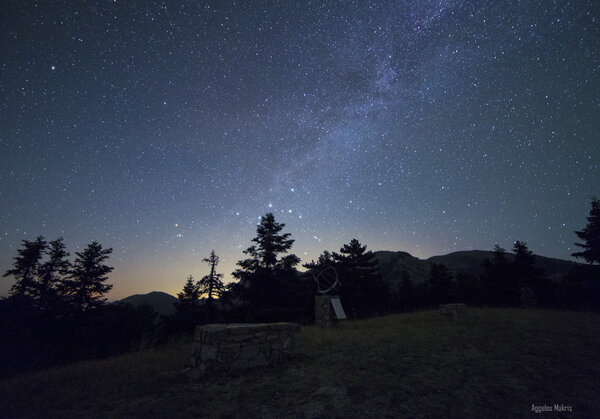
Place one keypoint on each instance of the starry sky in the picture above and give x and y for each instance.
(166, 129)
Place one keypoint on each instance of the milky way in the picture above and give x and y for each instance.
(164, 130)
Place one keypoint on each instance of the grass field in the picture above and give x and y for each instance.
(488, 363)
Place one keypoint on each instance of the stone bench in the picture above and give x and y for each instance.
(452, 310)
(236, 346)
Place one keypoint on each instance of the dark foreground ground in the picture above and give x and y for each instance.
(489, 363)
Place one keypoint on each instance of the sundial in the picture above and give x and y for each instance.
(328, 307)
(327, 280)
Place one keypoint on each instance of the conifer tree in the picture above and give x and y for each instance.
(52, 275)
(267, 279)
(86, 285)
(499, 256)
(533, 286)
(590, 235)
(362, 289)
(500, 284)
(189, 312)
(26, 269)
(355, 255)
(211, 285)
(269, 244)
(523, 256)
(524, 266)
(189, 296)
(325, 259)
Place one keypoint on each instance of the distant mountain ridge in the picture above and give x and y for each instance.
(394, 264)
(161, 302)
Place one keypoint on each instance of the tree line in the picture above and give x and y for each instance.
(51, 284)
(57, 312)
(269, 287)
(508, 280)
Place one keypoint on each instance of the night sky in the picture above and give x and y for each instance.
(166, 129)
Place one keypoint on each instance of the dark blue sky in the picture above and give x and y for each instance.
(166, 129)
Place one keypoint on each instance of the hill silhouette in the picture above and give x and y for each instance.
(161, 302)
(394, 264)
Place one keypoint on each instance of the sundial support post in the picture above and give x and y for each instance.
(328, 310)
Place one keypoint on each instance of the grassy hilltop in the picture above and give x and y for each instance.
(489, 363)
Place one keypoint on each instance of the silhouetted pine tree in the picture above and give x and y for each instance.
(532, 287)
(269, 244)
(590, 235)
(26, 269)
(55, 312)
(189, 296)
(52, 275)
(258, 275)
(440, 285)
(324, 259)
(188, 310)
(524, 263)
(313, 268)
(211, 285)
(363, 291)
(86, 285)
(500, 286)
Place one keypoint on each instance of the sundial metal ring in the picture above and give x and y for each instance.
(327, 279)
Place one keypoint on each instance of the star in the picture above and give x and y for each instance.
(404, 125)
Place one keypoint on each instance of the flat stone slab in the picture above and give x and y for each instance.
(234, 346)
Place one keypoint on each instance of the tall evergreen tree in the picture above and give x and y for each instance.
(355, 255)
(189, 295)
(524, 267)
(211, 285)
(188, 310)
(269, 244)
(86, 285)
(52, 274)
(362, 290)
(590, 235)
(26, 269)
(532, 286)
(524, 257)
(499, 256)
(499, 282)
(267, 279)
(324, 259)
